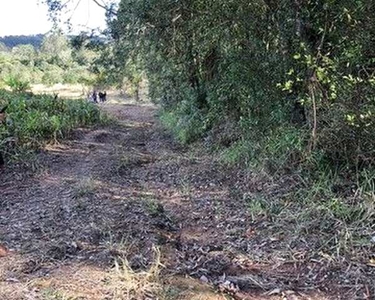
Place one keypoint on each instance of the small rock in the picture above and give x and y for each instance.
(204, 279)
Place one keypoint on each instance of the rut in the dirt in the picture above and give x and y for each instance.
(120, 190)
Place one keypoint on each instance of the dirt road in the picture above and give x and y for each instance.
(120, 192)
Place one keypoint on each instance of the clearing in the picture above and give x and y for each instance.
(128, 192)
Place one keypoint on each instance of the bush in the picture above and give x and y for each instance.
(16, 83)
(187, 127)
(52, 74)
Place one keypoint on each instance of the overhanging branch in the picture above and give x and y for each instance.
(105, 7)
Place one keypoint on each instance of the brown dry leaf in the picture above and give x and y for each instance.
(3, 251)
(250, 232)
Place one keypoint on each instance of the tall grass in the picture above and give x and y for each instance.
(33, 121)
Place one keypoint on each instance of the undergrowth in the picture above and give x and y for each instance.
(34, 120)
(185, 127)
(314, 204)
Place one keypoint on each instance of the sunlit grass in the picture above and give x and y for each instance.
(129, 284)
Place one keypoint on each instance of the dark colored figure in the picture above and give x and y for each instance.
(298, 114)
(103, 96)
(2, 120)
(95, 97)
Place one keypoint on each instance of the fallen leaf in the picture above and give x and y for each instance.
(3, 251)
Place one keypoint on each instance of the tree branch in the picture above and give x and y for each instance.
(105, 7)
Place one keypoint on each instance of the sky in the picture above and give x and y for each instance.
(25, 17)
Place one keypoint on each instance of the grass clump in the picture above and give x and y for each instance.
(85, 188)
(277, 151)
(17, 83)
(129, 284)
(56, 295)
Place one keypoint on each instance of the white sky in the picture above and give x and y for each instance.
(24, 17)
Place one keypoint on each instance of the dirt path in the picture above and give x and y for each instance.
(120, 191)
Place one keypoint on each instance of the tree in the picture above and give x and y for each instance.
(251, 63)
(26, 54)
(3, 47)
(56, 49)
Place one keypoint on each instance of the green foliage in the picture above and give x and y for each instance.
(281, 150)
(25, 53)
(248, 64)
(34, 120)
(55, 62)
(214, 65)
(52, 74)
(186, 127)
(16, 83)
(259, 206)
(56, 49)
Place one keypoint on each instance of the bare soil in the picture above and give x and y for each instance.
(119, 191)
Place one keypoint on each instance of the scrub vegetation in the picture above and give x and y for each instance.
(255, 181)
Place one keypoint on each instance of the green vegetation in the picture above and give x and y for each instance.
(279, 85)
(286, 88)
(34, 120)
(57, 60)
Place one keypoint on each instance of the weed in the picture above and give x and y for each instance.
(154, 207)
(185, 129)
(186, 188)
(120, 246)
(85, 188)
(259, 206)
(366, 180)
(16, 83)
(239, 152)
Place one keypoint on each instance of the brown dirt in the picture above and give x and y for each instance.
(118, 191)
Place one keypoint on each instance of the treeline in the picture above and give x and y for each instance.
(59, 59)
(282, 84)
(15, 40)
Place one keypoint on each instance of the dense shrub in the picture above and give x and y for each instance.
(16, 83)
(295, 78)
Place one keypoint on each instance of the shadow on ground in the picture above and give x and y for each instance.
(117, 192)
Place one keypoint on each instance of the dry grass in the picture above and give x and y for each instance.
(71, 91)
(84, 188)
(128, 284)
